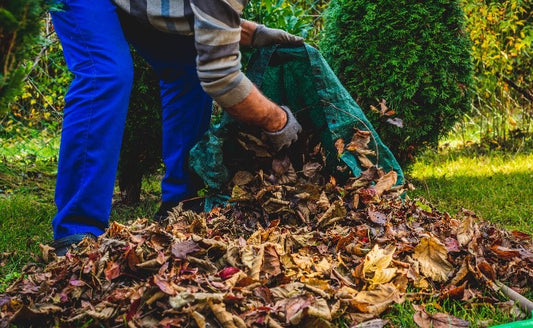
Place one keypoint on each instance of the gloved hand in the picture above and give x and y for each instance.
(286, 136)
(265, 36)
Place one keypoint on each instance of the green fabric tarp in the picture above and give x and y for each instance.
(301, 79)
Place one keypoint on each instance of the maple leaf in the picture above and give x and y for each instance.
(432, 256)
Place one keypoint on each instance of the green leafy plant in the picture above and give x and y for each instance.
(502, 37)
(19, 27)
(42, 98)
(294, 17)
(413, 55)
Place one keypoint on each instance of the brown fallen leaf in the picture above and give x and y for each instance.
(505, 252)
(377, 300)
(438, 320)
(293, 244)
(112, 270)
(183, 248)
(271, 264)
(225, 318)
(386, 182)
(465, 231)
(242, 178)
(376, 268)
(432, 256)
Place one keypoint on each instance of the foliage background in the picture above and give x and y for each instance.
(502, 37)
(19, 27)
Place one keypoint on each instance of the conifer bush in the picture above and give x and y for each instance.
(19, 27)
(415, 55)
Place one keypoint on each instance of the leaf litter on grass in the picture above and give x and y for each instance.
(292, 248)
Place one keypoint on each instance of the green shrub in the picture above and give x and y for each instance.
(414, 55)
(19, 27)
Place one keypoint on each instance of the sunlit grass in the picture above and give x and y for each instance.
(22, 143)
(496, 186)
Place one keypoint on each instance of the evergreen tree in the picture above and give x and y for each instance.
(413, 54)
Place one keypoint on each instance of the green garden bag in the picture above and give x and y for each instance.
(300, 78)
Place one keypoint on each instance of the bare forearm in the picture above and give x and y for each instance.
(258, 110)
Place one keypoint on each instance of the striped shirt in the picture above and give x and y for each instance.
(215, 25)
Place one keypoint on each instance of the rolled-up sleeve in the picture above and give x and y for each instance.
(217, 34)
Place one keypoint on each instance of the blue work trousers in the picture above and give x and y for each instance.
(95, 40)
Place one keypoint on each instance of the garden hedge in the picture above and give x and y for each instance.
(415, 55)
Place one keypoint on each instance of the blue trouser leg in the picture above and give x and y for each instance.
(98, 55)
(186, 107)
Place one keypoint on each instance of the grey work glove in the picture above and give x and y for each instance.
(286, 136)
(265, 36)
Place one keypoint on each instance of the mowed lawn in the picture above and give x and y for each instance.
(496, 186)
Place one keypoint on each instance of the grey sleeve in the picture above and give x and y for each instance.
(217, 34)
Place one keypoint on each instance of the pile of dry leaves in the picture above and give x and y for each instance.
(292, 248)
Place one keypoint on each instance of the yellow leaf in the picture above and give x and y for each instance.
(432, 254)
(382, 276)
(226, 319)
(302, 261)
(378, 258)
(375, 266)
(465, 231)
(377, 300)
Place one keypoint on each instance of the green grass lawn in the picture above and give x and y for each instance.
(496, 186)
